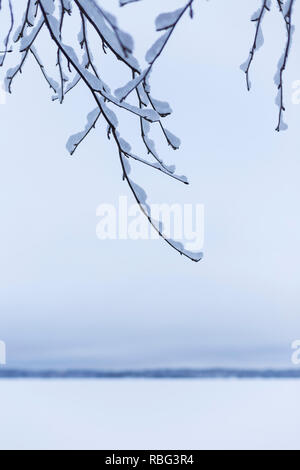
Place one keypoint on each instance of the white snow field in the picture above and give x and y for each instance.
(149, 414)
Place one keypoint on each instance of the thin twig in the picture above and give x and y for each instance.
(289, 29)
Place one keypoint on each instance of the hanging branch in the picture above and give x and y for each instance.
(7, 38)
(258, 42)
(84, 70)
(26, 44)
(62, 77)
(280, 3)
(51, 82)
(164, 22)
(80, 67)
(84, 44)
(285, 9)
(287, 15)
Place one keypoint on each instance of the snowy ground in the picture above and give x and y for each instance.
(149, 414)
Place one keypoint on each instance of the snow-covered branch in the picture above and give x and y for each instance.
(75, 63)
(287, 12)
(285, 8)
(258, 42)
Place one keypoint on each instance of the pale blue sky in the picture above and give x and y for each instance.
(68, 299)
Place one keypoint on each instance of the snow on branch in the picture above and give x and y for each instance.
(285, 8)
(75, 64)
(126, 2)
(8, 34)
(258, 42)
(164, 22)
(287, 12)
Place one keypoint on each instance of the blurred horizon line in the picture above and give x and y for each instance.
(167, 373)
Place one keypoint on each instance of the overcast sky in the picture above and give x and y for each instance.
(68, 299)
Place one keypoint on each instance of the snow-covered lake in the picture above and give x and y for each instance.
(149, 414)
